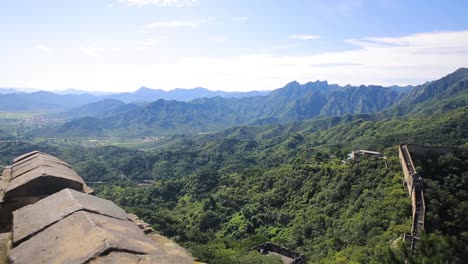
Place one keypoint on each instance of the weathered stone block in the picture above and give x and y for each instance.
(31, 219)
(81, 237)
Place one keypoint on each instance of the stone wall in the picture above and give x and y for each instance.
(287, 256)
(423, 150)
(49, 216)
(408, 167)
(414, 184)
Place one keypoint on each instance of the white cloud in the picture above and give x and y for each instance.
(433, 42)
(97, 51)
(176, 24)
(44, 48)
(170, 3)
(303, 37)
(410, 59)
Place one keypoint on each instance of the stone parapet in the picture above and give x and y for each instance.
(48, 216)
(414, 184)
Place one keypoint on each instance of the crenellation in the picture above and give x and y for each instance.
(424, 150)
(55, 214)
(414, 183)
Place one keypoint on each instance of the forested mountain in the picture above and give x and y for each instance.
(163, 115)
(147, 95)
(13, 100)
(103, 108)
(43, 101)
(359, 100)
(442, 88)
(401, 89)
(294, 102)
(433, 97)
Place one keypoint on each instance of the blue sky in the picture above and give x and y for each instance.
(120, 45)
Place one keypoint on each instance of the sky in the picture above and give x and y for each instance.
(231, 45)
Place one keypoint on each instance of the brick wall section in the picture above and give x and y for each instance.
(414, 183)
(423, 150)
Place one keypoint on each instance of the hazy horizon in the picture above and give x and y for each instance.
(189, 88)
(121, 45)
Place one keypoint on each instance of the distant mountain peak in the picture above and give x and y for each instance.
(146, 90)
(143, 88)
(292, 84)
(458, 74)
(318, 82)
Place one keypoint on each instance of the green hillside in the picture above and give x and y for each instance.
(222, 194)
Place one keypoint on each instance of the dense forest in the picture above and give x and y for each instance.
(324, 208)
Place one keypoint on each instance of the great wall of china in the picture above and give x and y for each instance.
(414, 183)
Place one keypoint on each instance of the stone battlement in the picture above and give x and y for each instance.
(48, 215)
(414, 184)
(424, 150)
(287, 256)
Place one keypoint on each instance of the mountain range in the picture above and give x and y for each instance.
(145, 94)
(293, 102)
(43, 101)
(24, 100)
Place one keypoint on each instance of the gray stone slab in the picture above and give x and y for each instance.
(50, 170)
(43, 181)
(38, 157)
(37, 164)
(35, 158)
(25, 155)
(82, 237)
(170, 246)
(32, 155)
(33, 218)
(129, 258)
